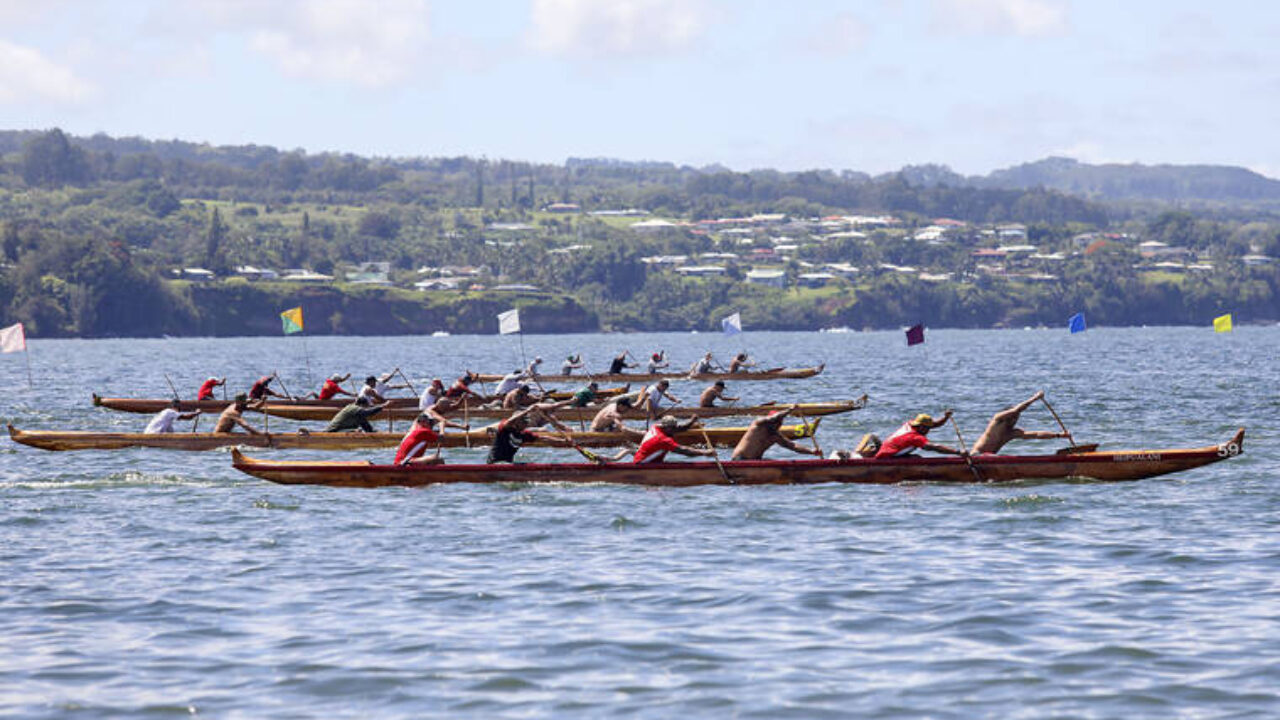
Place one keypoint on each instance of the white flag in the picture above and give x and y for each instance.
(732, 325)
(13, 339)
(509, 322)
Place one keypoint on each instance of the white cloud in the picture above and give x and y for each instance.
(606, 28)
(370, 44)
(26, 74)
(1023, 18)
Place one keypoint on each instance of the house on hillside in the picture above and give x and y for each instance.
(772, 278)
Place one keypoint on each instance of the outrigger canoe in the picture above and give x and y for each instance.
(80, 440)
(771, 374)
(573, 414)
(1112, 465)
(150, 406)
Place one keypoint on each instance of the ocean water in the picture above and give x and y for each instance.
(141, 583)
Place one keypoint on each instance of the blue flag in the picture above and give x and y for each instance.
(1076, 323)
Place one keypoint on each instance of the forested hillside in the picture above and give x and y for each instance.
(111, 236)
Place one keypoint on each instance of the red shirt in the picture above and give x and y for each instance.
(415, 443)
(330, 389)
(206, 390)
(259, 389)
(655, 446)
(906, 438)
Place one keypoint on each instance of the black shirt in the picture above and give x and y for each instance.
(506, 442)
(617, 365)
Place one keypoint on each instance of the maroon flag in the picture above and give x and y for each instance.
(915, 335)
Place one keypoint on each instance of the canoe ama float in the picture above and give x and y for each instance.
(573, 414)
(149, 406)
(79, 440)
(771, 374)
(1114, 465)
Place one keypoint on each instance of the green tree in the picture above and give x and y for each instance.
(50, 160)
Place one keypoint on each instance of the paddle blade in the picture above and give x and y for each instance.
(1077, 449)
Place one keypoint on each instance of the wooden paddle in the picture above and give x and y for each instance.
(276, 375)
(812, 434)
(171, 387)
(963, 449)
(716, 456)
(1064, 430)
(583, 451)
(404, 377)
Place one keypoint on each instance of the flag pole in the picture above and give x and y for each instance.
(307, 357)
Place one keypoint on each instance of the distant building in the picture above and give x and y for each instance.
(772, 278)
(195, 274)
(562, 208)
(303, 275)
(700, 270)
(814, 279)
(654, 225)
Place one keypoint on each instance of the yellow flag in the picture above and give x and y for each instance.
(1222, 323)
(292, 320)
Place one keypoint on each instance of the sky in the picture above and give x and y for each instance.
(867, 85)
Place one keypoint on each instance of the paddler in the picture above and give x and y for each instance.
(704, 366)
(261, 390)
(765, 432)
(163, 420)
(585, 395)
(369, 391)
(609, 419)
(740, 363)
(332, 388)
(1004, 427)
(415, 443)
(355, 416)
(531, 369)
(652, 396)
(619, 364)
(509, 436)
(206, 389)
(658, 362)
(384, 386)
(232, 416)
(715, 392)
(431, 395)
(509, 382)
(660, 440)
(913, 434)
(521, 397)
(571, 363)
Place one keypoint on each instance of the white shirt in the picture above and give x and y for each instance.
(162, 422)
(381, 388)
(510, 382)
(367, 391)
(429, 398)
(654, 396)
(656, 365)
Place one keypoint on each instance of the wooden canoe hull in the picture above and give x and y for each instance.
(571, 414)
(1109, 466)
(150, 406)
(776, 374)
(78, 440)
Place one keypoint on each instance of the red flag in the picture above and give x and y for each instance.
(915, 335)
